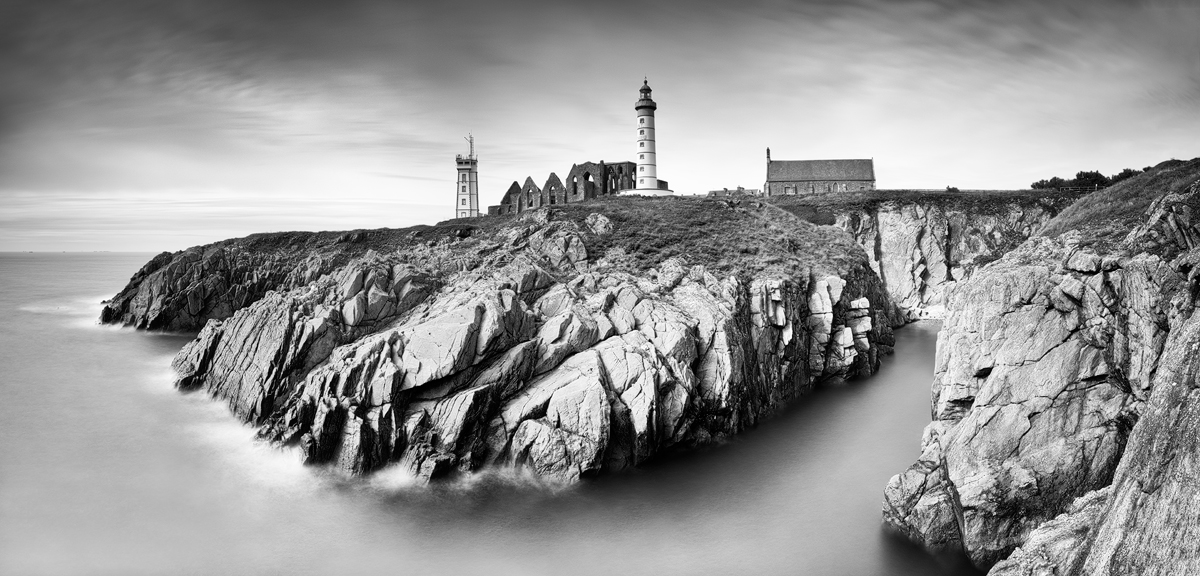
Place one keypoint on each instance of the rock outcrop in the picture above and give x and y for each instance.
(548, 346)
(923, 245)
(1063, 385)
(183, 290)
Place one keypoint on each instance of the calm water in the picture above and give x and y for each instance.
(105, 469)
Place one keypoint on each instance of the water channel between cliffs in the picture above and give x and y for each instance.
(108, 470)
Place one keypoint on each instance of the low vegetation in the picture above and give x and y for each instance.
(728, 236)
(1087, 180)
(1106, 216)
(740, 237)
(823, 208)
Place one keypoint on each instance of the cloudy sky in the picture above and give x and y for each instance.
(152, 125)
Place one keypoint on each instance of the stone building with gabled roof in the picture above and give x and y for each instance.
(792, 177)
(584, 181)
(510, 201)
(553, 191)
(531, 195)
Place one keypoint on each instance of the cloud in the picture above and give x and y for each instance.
(328, 104)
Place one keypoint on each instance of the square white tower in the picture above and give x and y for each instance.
(466, 203)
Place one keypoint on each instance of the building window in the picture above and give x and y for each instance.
(641, 168)
(641, 144)
(641, 131)
(641, 156)
(464, 201)
(641, 120)
(464, 177)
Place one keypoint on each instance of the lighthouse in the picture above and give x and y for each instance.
(467, 186)
(646, 178)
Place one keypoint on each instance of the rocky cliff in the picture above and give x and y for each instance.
(565, 342)
(1064, 400)
(183, 290)
(923, 244)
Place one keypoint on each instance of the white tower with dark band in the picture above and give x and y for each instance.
(646, 179)
(467, 186)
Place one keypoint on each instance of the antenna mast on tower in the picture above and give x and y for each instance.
(467, 184)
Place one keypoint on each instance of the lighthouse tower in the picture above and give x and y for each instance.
(646, 178)
(467, 203)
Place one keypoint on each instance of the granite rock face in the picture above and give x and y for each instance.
(531, 354)
(1146, 521)
(182, 291)
(1061, 385)
(923, 249)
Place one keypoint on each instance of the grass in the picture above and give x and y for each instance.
(745, 236)
(1105, 217)
(823, 208)
(729, 237)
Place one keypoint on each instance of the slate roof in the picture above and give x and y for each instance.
(810, 170)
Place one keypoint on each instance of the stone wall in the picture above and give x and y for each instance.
(817, 187)
(584, 181)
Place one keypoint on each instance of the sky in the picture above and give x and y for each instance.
(157, 125)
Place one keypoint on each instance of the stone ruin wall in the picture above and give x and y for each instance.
(583, 182)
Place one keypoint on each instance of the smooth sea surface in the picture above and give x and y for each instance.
(106, 469)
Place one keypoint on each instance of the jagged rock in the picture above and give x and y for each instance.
(599, 224)
(923, 249)
(1030, 416)
(919, 502)
(569, 441)
(1060, 370)
(508, 347)
(1145, 521)
(1084, 262)
(1058, 546)
(567, 333)
(636, 373)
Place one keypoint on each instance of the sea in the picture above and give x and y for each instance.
(106, 469)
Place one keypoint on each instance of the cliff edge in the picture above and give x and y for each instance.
(1064, 400)
(565, 342)
(922, 243)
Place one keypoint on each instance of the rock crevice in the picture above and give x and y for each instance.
(530, 354)
(1052, 370)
